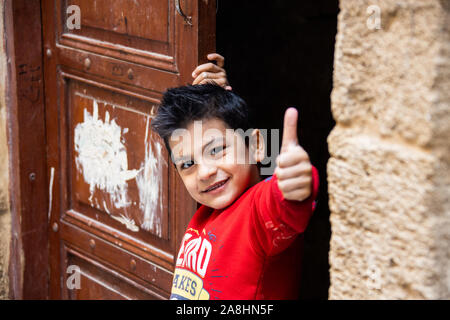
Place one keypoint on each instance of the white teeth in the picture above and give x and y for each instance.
(217, 186)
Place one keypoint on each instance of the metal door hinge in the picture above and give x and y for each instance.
(187, 19)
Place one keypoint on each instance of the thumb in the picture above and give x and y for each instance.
(289, 129)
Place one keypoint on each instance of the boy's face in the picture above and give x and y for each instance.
(213, 162)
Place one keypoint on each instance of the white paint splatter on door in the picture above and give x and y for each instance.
(129, 223)
(102, 157)
(149, 182)
(50, 192)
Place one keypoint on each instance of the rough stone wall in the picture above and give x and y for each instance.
(389, 171)
(5, 216)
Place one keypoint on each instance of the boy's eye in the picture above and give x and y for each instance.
(216, 150)
(187, 164)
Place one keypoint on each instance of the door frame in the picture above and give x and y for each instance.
(28, 261)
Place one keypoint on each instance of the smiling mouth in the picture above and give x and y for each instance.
(216, 185)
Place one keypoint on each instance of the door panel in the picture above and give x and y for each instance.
(136, 31)
(121, 175)
(116, 257)
(117, 208)
(101, 281)
(110, 70)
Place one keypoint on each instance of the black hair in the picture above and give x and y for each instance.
(182, 105)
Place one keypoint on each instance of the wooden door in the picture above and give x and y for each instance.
(117, 209)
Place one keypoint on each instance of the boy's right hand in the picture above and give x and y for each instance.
(209, 72)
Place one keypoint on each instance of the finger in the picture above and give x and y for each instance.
(205, 76)
(289, 129)
(197, 80)
(221, 82)
(210, 67)
(294, 184)
(302, 169)
(218, 58)
(208, 76)
(228, 88)
(207, 67)
(292, 156)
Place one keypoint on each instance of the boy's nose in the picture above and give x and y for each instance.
(205, 172)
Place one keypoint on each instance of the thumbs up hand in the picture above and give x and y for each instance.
(294, 170)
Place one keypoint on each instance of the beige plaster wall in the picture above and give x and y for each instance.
(389, 171)
(5, 216)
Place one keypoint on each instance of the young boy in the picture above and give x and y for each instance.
(245, 241)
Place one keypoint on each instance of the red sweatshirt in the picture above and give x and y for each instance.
(249, 250)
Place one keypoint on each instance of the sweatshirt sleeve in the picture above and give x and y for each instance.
(278, 221)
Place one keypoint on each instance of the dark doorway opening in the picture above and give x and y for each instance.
(280, 54)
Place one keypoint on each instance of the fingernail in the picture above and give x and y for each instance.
(194, 74)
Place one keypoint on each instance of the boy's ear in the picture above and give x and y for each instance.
(257, 146)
